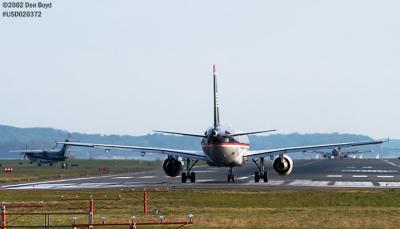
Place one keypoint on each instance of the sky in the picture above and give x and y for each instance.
(130, 67)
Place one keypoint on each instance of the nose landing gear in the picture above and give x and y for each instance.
(231, 175)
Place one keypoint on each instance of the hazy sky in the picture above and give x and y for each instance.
(128, 67)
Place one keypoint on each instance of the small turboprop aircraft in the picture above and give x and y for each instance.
(337, 153)
(223, 147)
(46, 156)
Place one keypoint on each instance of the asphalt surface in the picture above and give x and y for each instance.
(327, 173)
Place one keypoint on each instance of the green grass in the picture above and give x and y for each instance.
(228, 208)
(31, 172)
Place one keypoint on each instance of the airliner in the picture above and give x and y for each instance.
(222, 147)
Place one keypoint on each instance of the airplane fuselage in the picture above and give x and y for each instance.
(224, 151)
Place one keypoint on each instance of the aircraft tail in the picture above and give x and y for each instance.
(65, 148)
(216, 104)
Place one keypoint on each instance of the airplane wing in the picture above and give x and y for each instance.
(27, 151)
(261, 153)
(192, 154)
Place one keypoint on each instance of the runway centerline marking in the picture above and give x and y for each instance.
(146, 177)
(121, 178)
(334, 176)
(385, 176)
(360, 176)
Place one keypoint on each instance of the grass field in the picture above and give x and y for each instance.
(227, 209)
(32, 172)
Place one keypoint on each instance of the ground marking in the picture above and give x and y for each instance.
(359, 176)
(334, 176)
(370, 171)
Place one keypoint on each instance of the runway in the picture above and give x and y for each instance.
(329, 173)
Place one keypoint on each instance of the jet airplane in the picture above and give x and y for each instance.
(222, 147)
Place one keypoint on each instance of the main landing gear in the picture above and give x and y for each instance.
(188, 174)
(231, 175)
(261, 173)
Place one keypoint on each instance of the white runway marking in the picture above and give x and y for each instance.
(390, 184)
(205, 180)
(204, 171)
(56, 181)
(121, 178)
(390, 163)
(334, 176)
(360, 176)
(353, 184)
(242, 178)
(384, 176)
(369, 171)
(146, 177)
(351, 167)
(367, 167)
(309, 183)
(270, 182)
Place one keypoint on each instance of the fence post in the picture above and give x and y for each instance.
(145, 202)
(3, 217)
(91, 212)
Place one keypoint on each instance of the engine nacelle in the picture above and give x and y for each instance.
(283, 165)
(172, 166)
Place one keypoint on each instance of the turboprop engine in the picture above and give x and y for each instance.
(283, 165)
(172, 166)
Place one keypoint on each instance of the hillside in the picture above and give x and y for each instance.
(12, 138)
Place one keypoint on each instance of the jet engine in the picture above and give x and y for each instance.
(172, 166)
(283, 165)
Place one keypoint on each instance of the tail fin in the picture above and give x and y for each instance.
(216, 105)
(65, 148)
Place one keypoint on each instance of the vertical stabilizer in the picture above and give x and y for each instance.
(216, 105)
(65, 148)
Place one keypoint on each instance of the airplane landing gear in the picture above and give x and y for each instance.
(188, 174)
(39, 164)
(261, 173)
(231, 175)
(64, 165)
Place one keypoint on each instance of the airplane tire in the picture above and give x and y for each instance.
(39, 164)
(51, 164)
(192, 177)
(256, 177)
(231, 177)
(184, 177)
(265, 177)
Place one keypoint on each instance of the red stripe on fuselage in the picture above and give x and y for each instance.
(226, 144)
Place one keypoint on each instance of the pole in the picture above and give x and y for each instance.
(145, 202)
(91, 211)
(3, 217)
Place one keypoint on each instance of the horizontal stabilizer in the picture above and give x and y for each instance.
(176, 133)
(248, 133)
